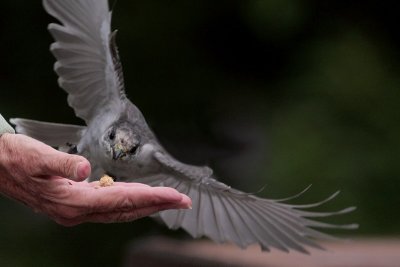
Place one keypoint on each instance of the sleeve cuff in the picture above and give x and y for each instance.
(5, 127)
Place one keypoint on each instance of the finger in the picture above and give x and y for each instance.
(127, 216)
(185, 202)
(117, 198)
(45, 161)
(65, 165)
(95, 184)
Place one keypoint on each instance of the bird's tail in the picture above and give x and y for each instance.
(53, 134)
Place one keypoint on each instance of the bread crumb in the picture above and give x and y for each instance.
(106, 181)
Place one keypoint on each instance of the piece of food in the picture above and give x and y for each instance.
(106, 181)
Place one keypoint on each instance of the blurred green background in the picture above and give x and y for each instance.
(281, 93)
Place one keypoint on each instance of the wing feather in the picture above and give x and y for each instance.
(190, 222)
(225, 214)
(271, 230)
(200, 211)
(293, 236)
(244, 223)
(231, 230)
(177, 219)
(85, 62)
(53, 134)
(211, 224)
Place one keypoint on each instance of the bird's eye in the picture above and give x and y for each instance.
(112, 135)
(133, 150)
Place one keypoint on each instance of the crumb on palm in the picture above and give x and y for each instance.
(106, 181)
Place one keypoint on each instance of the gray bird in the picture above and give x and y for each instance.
(117, 141)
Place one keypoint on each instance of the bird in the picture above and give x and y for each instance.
(118, 142)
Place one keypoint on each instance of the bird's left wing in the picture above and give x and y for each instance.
(87, 59)
(228, 215)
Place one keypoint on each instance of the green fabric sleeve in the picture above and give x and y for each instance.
(5, 127)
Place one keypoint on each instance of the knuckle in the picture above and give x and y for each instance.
(128, 204)
(126, 217)
(125, 201)
(67, 166)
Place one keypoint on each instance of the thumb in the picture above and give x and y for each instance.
(66, 165)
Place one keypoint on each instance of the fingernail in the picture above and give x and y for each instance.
(186, 200)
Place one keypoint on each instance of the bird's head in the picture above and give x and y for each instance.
(120, 141)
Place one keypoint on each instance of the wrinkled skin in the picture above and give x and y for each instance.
(52, 182)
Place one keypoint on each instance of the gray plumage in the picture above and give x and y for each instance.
(117, 141)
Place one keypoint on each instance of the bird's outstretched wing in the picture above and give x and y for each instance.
(87, 59)
(228, 215)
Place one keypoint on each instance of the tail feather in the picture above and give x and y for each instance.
(53, 134)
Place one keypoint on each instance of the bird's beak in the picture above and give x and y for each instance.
(117, 152)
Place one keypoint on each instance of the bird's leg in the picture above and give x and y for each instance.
(72, 149)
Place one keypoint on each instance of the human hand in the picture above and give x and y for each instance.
(51, 182)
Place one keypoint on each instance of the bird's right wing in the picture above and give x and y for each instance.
(87, 59)
(225, 214)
